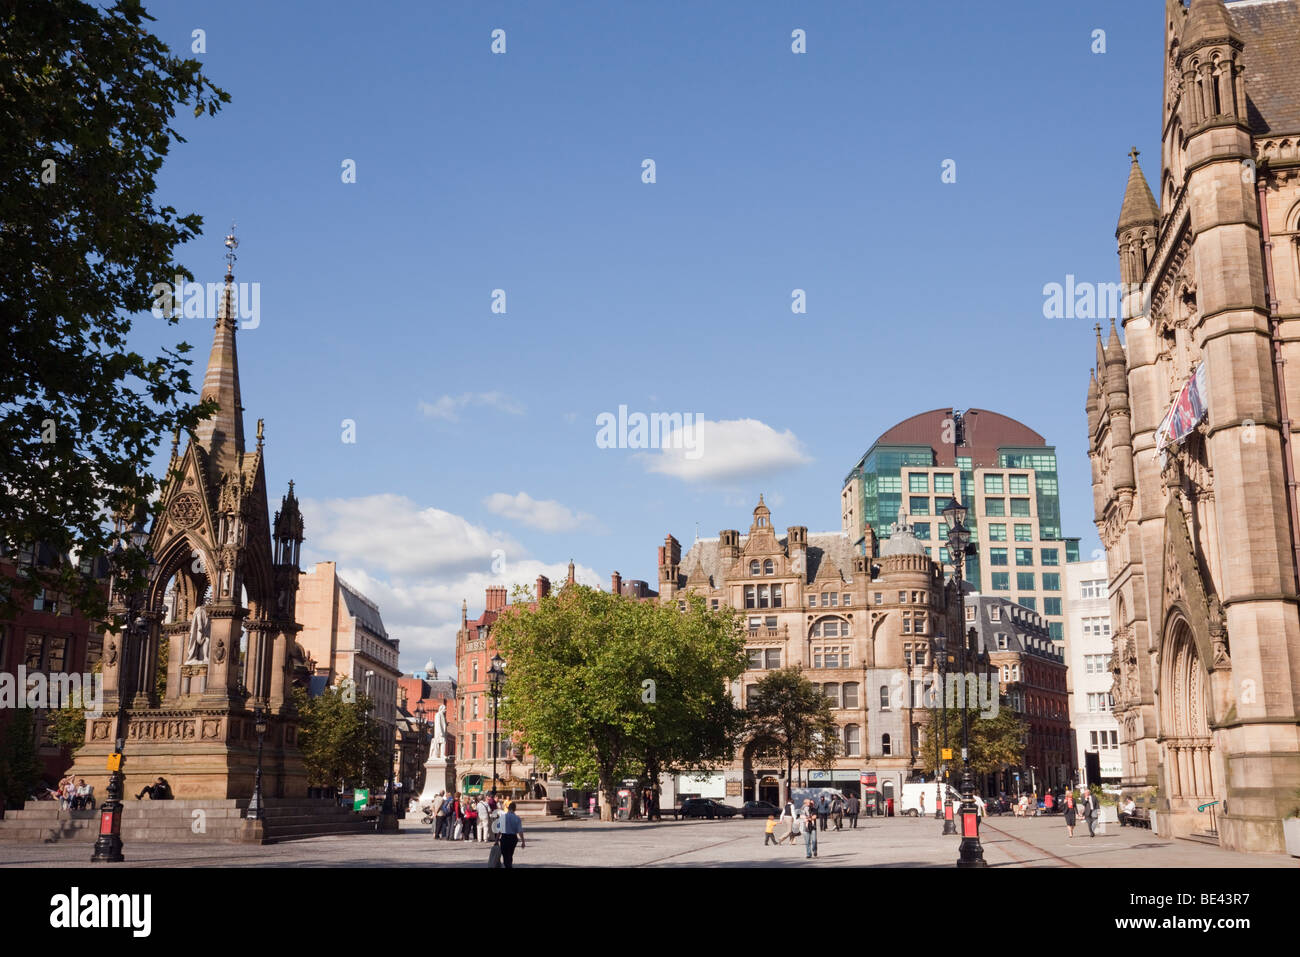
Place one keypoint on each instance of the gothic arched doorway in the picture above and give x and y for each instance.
(1185, 741)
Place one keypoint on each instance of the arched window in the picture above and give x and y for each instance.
(884, 745)
(884, 697)
(753, 567)
(768, 567)
(852, 743)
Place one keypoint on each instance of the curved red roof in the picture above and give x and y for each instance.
(986, 432)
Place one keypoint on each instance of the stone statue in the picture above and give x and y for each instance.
(439, 746)
(196, 650)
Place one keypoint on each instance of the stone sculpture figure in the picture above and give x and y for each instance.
(439, 744)
(196, 651)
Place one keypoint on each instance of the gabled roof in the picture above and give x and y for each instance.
(1270, 30)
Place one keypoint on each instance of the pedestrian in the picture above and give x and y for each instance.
(837, 812)
(484, 812)
(824, 811)
(853, 808)
(1070, 811)
(809, 826)
(1048, 802)
(160, 790)
(471, 820)
(458, 814)
(1091, 811)
(922, 804)
(788, 816)
(769, 836)
(512, 833)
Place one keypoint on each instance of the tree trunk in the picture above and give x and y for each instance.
(609, 798)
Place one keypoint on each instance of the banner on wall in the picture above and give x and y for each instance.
(1186, 412)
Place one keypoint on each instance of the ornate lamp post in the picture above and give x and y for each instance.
(971, 853)
(256, 812)
(108, 844)
(496, 677)
(946, 804)
(421, 722)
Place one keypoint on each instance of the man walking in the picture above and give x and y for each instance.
(809, 829)
(512, 833)
(788, 816)
(1091, 811)
(853, 808)
(824, 811)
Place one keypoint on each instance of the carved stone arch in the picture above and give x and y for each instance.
(176, 559)
(1184, 590)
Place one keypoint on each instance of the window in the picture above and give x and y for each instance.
(812, 601)
(1024, 581)
(995, 506)
(714, 604)
(999, 581)
(770, 622)
(921, 530)
(768, 567)
(755, 623)
(475, 669)
(919, 505)
(847, 599)
(755, 656)
(462, 718)
(1015, 672)
(997, 556)
(832, 692)
(1056, 630)
(1006, 672)
(777, 592)
(884, 697)
(750, 600)
(834, 598)
(970, 613)
(1024, 556)
(1051, 606)
(884, 745)
(850, 693)
(1024, 532)
(1002, 641)
(35, 652)
(852, 742)
(753, 567)
(474, 704)
(1030, 603)
(772, 658)
(1051, 581)
(1018, 484)
(878, 598)
(920, 623)
(943, 554)
(995, 612)
(1020, 507)
(907, 622)
(992, 484)
(943, 483)
(1092, 589)
(1049, 556)
(918, 482)
(998, 533)
(473, 745)
(902, 597)
(1096, 627)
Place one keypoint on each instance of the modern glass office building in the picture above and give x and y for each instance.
(1004, 472)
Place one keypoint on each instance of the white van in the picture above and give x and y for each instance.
(911, 805)
(799, 794)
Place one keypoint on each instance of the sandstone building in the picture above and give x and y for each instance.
(1192, 445)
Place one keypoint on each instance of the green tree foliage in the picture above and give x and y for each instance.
(996, 742)
(602, 687)
(20, 771)
(67, 725)
(87, 100)
(340, 746)
(788, 714)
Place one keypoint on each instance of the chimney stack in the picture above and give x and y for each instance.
(496, 598)
(616, 583)
(543, 587)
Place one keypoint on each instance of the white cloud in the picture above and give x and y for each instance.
(418, 563)
(548, 515)
(449, 407)
(728, 450)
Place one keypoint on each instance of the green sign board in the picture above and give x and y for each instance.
(360, 798)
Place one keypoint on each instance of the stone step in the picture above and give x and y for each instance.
(301, 832)
(1204, 837)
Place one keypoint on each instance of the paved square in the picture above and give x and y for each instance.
(891, 842)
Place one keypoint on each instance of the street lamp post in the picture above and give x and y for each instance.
(496, 675)
(971, 853)
(256, 811)
(949, 827)
(108, 844)
(421, 722)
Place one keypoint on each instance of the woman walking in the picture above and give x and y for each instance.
(1069, 812)
(809, 829)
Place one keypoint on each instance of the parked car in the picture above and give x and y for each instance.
(707, 808)
(759, 809)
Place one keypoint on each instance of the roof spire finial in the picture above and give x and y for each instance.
(1134, 154)
(261, 435)
(231, 245)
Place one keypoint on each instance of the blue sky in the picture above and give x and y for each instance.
(475, 432)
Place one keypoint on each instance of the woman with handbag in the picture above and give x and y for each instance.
(1070, 811)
